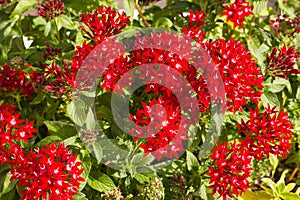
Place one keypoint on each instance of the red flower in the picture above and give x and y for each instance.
(103, 23)
(267, 132)
(48, 173)
(281, 64)
(285, 25)
(12, 131)
(12, 79)
(59, 81)
(194, 29)
(51, 9)
(243, 80)
(237, 12)
(230, 170)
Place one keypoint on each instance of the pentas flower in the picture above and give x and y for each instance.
(237, 12)
(51, 9)
(103, 22)
(12, 80)
(285, 25)
(230, 170)
(266, 132)
(12, 131)
(242, 78)
(162, 134)
(51, 52)
(283, 62)
(48, 173)
(59, 80)
(194, 29)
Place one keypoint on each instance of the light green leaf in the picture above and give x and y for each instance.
(63, 129)
(97, 151)
(270, 98)
(249, 195)
(164, 22)
(289, 187)
(64, 21)
(47, 29)
(48, 140)
(23, 6)
(258, 53)
(129, 8)
(192, 161)
(289, 196)
(87, 165)
(100, 182)
(274, 163)
(76, 111)
(270, 183)
(80, 196)
(260, 8)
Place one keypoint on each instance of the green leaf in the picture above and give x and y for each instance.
(76, 111)
(80, 196)
(62, 129)
(64, 21)
(279, 84)
(249, 195)
(260, 8)
(100, 182)
(7, 184)
(48, 140)
(270, 98)
(141, 178)
(97, 151)
(38, 99)
(290, 196)
(70, 141)
(140, 160)
(289, 187)
(87, 165)
(192, 161)
(164, 22)
(258, 53)
(48, 28)
(294, 158)
(270, 183)
(129, 8)
(274, 163)
(23, 6)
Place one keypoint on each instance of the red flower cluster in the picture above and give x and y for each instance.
(51, 9)
(243, 80)
(103, 22)
(5, 2)
(281, 64)
(51, 52)
(12, 131)
(285, 25)
(267, 132)
(12, 79)
(161, 130)
(194, 30)
(230, 170)
(48, 173)
(237, 12)
(58, 80)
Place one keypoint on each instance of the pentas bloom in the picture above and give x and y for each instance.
(159, 128)
(230, 170)
(237, 12)
(12, 131)
(283, 62)
(242, 78)
(48, 173)
(194, 29)
(285, 25)
(51, 9)
(103, 22)
(59, 80)
(12, 80)
(266, 132)
(51, 52)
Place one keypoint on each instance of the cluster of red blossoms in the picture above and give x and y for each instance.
(264, 132)
(12, 79)
(48, 173)
(237, 12)
(283, 62)
(285, 25)
(51, 9)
